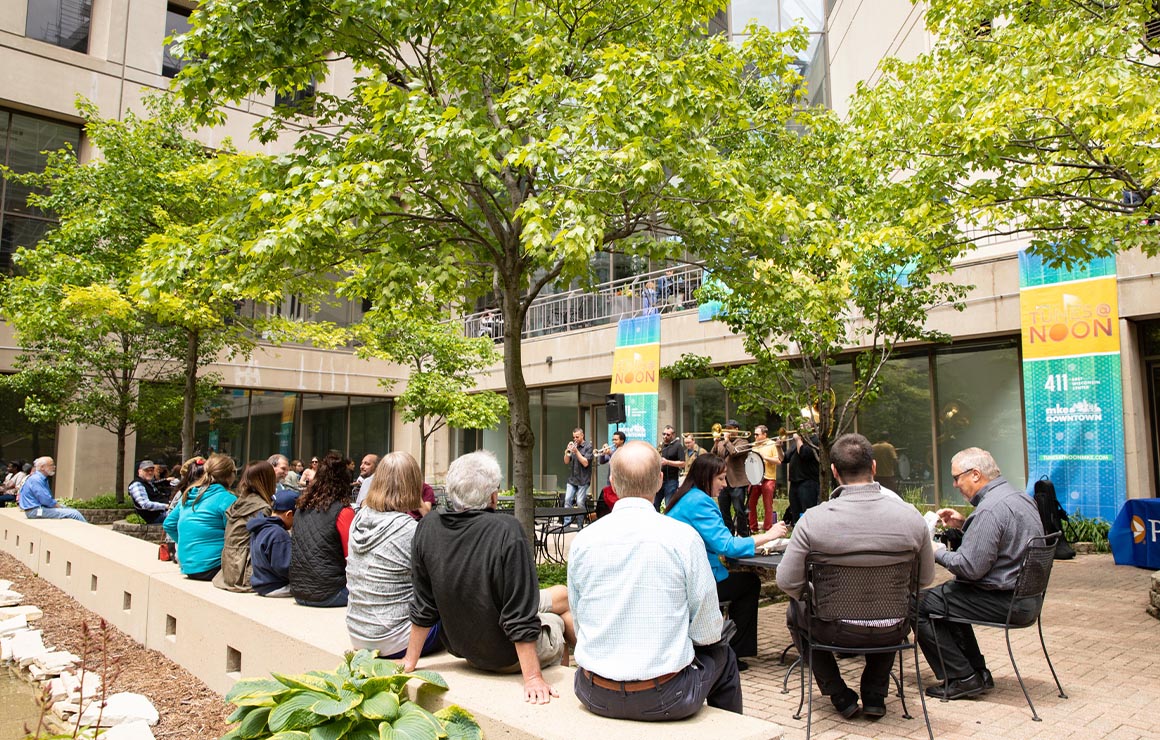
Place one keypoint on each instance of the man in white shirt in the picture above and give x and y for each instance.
(644, 603)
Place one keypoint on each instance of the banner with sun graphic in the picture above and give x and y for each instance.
(1072, 392)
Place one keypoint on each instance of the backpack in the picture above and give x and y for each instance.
(1052, 515)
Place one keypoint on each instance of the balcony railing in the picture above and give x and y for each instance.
(670, 290)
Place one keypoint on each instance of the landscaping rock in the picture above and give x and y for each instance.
(27, 645)
(5, 585)
(29, 612)
(10, 598)
(121, 709)
(128, 731)
(13, 624)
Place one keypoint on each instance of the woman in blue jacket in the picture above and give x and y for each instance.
(198, 522)
(695, 503)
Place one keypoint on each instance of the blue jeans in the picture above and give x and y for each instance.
(58, 512)
(339, 599)
(575, 496)
(668, 488)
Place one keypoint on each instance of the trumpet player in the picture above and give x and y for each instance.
(578, 457)
(732, 499)
(771, 457)
(672, 463)
(605, 455)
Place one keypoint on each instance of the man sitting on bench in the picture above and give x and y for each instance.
(648, 625)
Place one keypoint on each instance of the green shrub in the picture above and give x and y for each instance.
(552, 574)
(104, 501)
(1079, 528)
(134, 519)
(364, 699)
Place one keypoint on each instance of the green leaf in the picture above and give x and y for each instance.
(254, 725)
(429, 677)
(296, 712)
(306, 681)
(459, 723)
(334, 707)
(290, 735)
(332, 730)
(383, 705)
(240, 712)
(255, 692)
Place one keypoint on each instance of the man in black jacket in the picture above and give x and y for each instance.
(473, 571)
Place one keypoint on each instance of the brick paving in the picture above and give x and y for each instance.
(1105, 648)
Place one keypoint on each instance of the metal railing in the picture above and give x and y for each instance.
(662, 291)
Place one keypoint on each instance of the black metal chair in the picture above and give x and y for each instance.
(837, 590)
(1034, 573)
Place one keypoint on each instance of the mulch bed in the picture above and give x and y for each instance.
(188, 708)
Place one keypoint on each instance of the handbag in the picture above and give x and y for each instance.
(167, 551)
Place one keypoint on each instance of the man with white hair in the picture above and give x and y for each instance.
(986, 567)
(281, 465)
(36, 499)
(473, 572)
(648, 621)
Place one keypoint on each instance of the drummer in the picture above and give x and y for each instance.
(733, 451)
(770, 455)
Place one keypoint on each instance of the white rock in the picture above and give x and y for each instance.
(65, 708)
(120, 709)
(13, 624)
(5, 649)
(129, 731)
(5, 585)
(27, 645)
(30, 612)
(10, 598)
(88, 684)
(56, 661)
(59, 688)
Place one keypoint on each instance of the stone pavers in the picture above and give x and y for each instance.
(1104, 645)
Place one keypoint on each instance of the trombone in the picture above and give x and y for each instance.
(716, 433)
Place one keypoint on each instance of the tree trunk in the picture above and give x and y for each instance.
(423, 446)
(189, 403)
(122, 434)
(520, 434)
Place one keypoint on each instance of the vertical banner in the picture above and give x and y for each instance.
(1072, 392)
(286, 430)
(636, 368)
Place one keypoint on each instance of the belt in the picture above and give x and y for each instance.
(628, 686)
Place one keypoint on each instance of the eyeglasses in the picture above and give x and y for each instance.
(313, 462)
(955, 478)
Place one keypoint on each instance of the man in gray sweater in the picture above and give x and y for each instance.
(986, 567)
(859, 522)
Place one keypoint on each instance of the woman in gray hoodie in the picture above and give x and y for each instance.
(378, 567)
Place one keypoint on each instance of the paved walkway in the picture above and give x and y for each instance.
(1104, 646)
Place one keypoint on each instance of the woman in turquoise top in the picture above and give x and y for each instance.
(695, 503)
(198, 522)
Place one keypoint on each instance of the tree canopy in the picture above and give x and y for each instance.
(483, 149)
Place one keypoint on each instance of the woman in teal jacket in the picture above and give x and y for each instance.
(198, 522)
(695, 503)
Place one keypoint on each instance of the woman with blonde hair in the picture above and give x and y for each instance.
(378, 569)
(198, 522)
(255, 498)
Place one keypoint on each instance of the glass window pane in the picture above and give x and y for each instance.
(900, 415)
(61, 22)
(18, 232)
(763, 12)
(223, 427)
(702, 406)
(323, 425)
(536, 422)
(28, 139)
(811, 65)
(370, 426)
(980, 404)
(496, 440)
(560, 418)
(808, 13)
(176, 24)
(21, 439)
(271, 424)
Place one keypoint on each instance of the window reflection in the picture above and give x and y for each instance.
(64, 23)
(901, 415)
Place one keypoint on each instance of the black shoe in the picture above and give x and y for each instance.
(742, 665)
(987, 680)
(846, 702)
(873, 708)
(959, 688)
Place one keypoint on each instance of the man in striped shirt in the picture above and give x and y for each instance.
(985, 566)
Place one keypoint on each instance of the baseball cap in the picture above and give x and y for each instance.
(145, 464)
(285, 499)
(732, 424)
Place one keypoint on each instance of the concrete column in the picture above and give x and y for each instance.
(1137, 426)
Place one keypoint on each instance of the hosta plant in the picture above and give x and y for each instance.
(363, 700)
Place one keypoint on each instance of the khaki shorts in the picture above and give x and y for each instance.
(550, 644)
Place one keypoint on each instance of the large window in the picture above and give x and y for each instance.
(64, 23)
(176, 24)
(780, 15)
(900, 414)
(23, 139)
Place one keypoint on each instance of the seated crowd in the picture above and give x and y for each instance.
(642, 609)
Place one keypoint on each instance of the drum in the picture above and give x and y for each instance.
(754, 468)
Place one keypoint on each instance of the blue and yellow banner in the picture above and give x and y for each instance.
(1072, 390)
(636, 370)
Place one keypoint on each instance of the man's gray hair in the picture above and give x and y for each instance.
(975, 458)
(277, 458)
(471, 480)
(40, 462)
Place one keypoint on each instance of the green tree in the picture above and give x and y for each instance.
(80, 286)
(441, 368)
(859, 274)
(485, 148)
(1040, 116)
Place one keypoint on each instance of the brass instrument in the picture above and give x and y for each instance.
(716, 433)
(605, 450)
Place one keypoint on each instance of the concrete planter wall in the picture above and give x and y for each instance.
(105, 516)
(148, 532)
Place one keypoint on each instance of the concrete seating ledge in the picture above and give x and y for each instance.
(220, 636)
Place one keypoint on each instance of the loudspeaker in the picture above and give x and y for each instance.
(614, 408)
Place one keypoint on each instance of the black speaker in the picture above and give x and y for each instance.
(614, 407)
